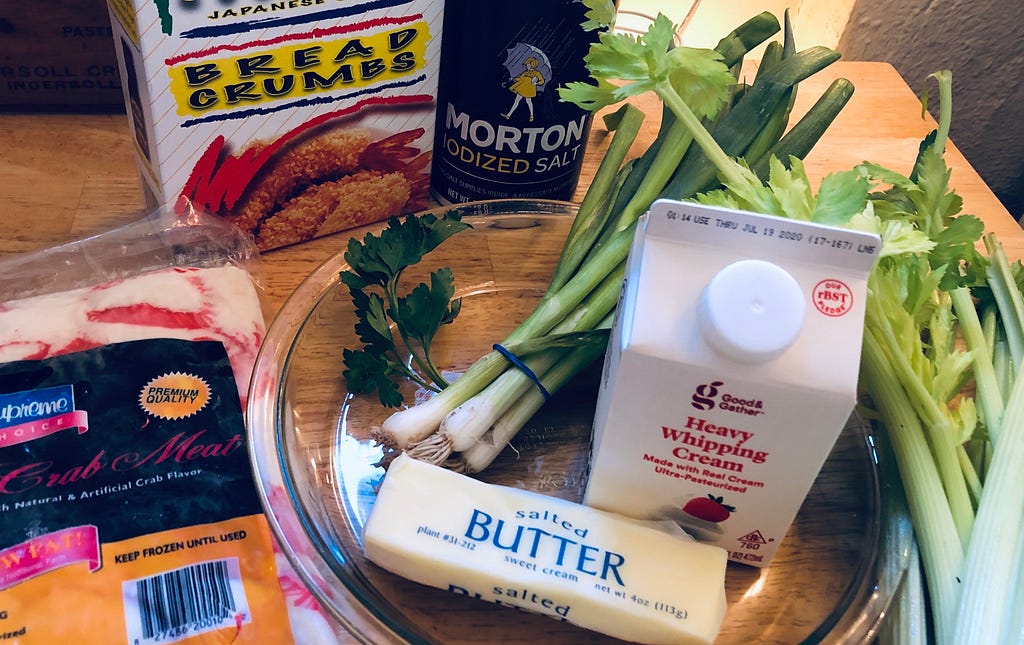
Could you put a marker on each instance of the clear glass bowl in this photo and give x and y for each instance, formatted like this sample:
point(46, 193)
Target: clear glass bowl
point(315, 463)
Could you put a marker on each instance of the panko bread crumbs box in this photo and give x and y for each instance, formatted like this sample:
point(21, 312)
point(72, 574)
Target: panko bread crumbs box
point(291, 118)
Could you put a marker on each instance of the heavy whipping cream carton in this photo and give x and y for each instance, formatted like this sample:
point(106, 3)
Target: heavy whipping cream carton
point(293, 119)
point(731, 370)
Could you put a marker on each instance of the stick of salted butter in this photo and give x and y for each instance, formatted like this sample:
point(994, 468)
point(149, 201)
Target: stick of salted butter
point(591, 568)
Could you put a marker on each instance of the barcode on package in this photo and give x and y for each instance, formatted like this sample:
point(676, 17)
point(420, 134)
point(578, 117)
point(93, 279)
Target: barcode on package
point(176, 604)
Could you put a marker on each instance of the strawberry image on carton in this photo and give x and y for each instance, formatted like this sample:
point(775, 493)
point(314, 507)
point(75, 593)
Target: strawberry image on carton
point(731, 371)
point(291, 119)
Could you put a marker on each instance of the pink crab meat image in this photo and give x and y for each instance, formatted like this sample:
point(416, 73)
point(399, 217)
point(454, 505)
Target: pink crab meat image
point(191, 303)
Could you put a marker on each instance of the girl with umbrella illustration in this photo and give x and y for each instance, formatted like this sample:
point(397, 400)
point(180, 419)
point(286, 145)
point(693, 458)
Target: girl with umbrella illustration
point(524, 86)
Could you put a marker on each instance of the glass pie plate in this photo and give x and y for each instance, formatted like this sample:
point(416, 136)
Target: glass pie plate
point(315, 464)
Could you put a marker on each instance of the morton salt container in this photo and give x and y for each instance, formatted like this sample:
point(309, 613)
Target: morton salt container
point(501, 130)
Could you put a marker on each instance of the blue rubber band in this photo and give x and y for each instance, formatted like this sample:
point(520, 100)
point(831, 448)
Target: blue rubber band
point(515, 360)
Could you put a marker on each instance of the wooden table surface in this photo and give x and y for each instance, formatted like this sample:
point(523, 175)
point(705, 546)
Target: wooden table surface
point(65, 176)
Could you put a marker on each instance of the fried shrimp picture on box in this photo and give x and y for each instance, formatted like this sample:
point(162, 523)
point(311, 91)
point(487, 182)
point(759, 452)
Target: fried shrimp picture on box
point(332, 180)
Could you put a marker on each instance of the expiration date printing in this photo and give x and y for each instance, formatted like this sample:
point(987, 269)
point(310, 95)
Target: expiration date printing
point(815, 239)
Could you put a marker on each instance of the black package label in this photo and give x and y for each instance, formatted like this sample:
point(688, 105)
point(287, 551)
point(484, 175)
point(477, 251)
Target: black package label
point(121, 437)
point(128, 511)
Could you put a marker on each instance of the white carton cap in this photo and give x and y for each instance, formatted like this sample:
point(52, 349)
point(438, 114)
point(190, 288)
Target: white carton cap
point(751, 311)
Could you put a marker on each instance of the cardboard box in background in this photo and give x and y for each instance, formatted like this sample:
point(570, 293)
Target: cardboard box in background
point(58, 56)
point(291, 119)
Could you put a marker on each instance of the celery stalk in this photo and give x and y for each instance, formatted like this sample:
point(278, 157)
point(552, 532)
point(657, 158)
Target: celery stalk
point(989, 391)
point(933, 521)
point(1008, 299)
point(988, 578)
point(907, 622)
point(989, 592)
point(939, 432)
point(1014, 630)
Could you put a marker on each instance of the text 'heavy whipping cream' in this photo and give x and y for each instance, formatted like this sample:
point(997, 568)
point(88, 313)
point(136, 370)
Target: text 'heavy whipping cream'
point(731, 370)
point(545, 555)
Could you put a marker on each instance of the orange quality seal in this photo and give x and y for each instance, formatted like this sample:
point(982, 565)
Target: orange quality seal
point(174, 396)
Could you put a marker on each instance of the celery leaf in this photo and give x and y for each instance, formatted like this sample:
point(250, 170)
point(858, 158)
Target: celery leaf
point(841, 195)
point(600, 14)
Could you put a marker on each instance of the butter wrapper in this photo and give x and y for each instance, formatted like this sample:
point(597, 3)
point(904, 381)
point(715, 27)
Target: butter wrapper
point(546, 555)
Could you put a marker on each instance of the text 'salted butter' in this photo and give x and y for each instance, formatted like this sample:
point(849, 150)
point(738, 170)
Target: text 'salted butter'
point(731, 371)
point(546, 555)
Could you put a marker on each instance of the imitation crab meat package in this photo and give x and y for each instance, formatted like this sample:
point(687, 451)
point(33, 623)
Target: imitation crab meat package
point(128, 512)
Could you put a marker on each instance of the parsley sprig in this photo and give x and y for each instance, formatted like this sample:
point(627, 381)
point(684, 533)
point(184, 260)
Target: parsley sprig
point(397, 330)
